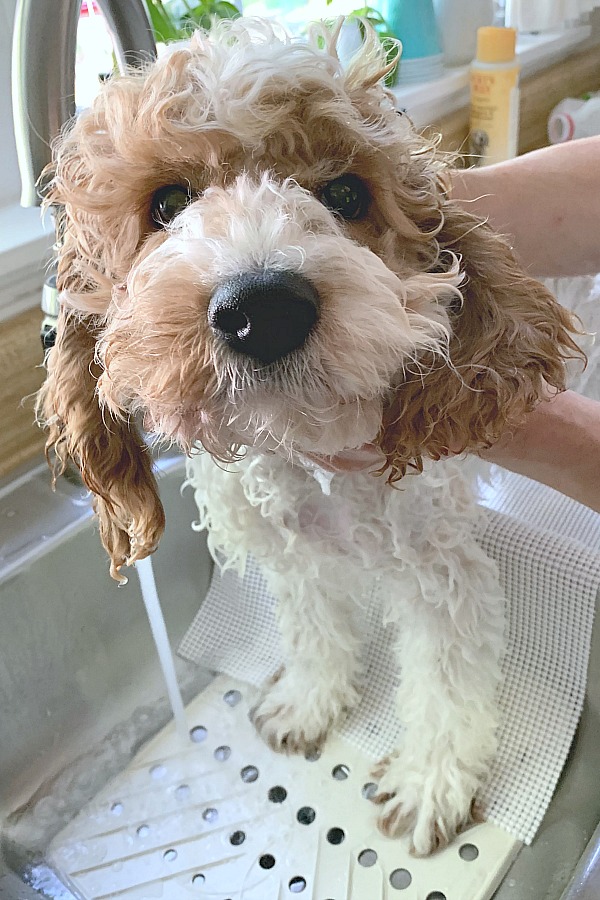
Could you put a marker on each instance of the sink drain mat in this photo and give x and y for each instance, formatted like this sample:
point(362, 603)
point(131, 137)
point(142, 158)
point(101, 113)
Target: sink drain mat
point(223, 817)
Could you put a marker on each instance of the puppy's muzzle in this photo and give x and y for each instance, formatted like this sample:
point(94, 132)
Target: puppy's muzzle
point(264, 314)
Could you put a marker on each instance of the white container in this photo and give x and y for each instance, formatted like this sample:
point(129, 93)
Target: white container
point(559, 120)
point(349, 42)
point(574, 118)
point(458, 21)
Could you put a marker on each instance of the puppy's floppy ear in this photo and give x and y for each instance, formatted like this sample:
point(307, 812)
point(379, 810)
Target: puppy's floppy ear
point(510, 343)
point(109, 453)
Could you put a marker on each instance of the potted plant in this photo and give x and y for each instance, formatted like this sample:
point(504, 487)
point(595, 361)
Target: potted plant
point(173, 20)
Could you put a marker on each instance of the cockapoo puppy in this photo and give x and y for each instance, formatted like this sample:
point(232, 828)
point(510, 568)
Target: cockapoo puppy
point(258, 255)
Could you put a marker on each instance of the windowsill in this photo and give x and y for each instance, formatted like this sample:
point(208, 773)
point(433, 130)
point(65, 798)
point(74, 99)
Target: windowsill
point(19, 229)
point(25, 247)
point(25, 240)
point(430, 101)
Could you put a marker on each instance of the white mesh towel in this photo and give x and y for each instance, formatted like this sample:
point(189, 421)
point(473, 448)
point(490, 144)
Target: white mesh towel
point(551, 582)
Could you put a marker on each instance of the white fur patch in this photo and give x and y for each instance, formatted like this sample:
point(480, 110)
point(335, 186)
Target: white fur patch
point(319, 553)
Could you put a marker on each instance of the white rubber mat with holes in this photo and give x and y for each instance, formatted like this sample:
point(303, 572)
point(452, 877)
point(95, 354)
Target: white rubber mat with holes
point(225, 818)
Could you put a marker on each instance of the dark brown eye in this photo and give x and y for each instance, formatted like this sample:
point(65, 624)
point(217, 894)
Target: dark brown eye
point(168, 202)
point(348, 196)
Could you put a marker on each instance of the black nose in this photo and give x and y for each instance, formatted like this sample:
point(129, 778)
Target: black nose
point(264, 314)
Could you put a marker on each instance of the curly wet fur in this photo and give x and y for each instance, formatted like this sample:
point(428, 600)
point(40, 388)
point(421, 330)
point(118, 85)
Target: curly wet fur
point(510, 339)
point(110, 455)
point(319, 554)
point(430, 339)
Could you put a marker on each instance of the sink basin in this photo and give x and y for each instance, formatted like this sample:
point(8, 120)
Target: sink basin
point(80, 683)
point(81, 688)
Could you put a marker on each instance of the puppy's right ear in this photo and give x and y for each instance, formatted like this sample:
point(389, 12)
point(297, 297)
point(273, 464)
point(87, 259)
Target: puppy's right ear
point(110, 454)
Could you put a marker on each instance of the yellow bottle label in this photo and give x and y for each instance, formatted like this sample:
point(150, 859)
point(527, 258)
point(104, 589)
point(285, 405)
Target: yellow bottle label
point(494, 114)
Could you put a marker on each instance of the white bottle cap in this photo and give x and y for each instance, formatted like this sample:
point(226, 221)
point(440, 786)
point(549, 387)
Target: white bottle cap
point(561, 128)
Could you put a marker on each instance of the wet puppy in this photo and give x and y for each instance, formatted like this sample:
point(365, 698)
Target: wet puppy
point(258, 257)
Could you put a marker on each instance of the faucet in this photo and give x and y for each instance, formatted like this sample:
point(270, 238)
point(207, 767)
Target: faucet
point(43, 78)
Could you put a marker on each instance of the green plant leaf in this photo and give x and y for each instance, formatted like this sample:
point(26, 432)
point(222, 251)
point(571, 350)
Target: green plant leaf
point(203, 13)
point(372, 16)
point(164, 27)
point(226, 10)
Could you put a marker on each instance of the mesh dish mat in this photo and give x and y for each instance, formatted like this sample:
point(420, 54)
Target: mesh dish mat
point(551, 581)
point(224, 817)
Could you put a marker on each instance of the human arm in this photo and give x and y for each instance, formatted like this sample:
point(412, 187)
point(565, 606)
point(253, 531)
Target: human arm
point(547, 202)
point(558, 445)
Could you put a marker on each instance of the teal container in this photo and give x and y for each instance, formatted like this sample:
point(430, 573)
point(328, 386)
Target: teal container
point(414, 23)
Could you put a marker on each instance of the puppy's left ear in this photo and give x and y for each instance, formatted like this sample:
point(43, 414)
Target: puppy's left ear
point(509, 347)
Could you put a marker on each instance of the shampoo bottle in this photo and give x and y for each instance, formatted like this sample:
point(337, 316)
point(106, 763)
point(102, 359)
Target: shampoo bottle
point(494, 77)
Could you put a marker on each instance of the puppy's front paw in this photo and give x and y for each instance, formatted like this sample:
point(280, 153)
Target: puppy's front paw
point(293, 717)
point(429, 804)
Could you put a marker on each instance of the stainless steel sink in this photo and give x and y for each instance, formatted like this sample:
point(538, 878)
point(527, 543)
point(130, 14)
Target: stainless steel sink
point(81, 689)
point(569, 837)
point(585, 883)
point(80, 684)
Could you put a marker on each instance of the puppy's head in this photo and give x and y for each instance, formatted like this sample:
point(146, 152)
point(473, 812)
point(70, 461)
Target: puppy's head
point(257, 249)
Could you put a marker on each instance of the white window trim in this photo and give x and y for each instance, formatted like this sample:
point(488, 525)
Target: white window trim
point(26, 240)
point(25, 249)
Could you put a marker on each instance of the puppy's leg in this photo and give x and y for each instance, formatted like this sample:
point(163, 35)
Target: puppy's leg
point(449, 648)
point(261, 506)
point(319, 680)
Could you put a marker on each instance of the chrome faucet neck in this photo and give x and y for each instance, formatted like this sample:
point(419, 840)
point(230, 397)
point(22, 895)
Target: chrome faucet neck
point(44, 47)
